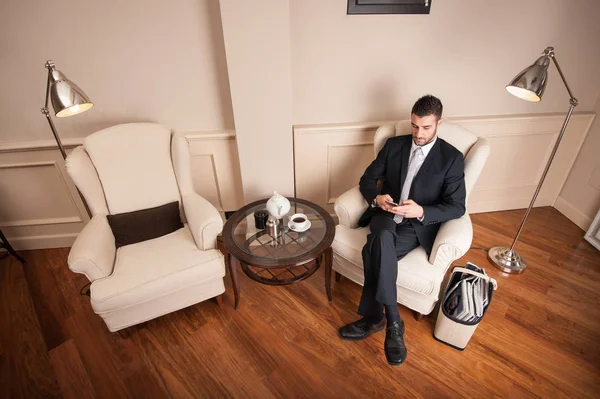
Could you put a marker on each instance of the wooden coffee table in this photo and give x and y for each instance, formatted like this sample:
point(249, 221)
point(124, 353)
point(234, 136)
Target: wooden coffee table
point(290, 259)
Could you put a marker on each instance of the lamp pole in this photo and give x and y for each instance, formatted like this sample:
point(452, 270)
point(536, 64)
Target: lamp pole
point(67, 100)
point(50, 66)
point(507, 259)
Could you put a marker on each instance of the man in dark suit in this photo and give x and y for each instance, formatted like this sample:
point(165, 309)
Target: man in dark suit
point(423, 186)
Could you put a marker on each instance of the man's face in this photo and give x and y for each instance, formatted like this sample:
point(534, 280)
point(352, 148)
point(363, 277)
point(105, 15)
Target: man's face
point(424, 128)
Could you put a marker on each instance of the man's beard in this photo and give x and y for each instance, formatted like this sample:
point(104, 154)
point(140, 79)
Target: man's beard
point(428, 141)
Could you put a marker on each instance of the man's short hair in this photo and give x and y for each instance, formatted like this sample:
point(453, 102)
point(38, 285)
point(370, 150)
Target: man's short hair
point(428, 105)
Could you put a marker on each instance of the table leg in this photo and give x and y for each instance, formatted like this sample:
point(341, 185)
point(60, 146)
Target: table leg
point(328, 266)
point(232, 263)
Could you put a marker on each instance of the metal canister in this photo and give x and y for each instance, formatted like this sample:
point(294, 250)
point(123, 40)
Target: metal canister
point(273, 227)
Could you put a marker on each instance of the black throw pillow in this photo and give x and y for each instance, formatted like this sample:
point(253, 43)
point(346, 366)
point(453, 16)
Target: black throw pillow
point(146, 224)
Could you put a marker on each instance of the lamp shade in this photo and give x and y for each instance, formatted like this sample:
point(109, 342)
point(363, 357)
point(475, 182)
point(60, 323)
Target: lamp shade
point(530, 83)
point(66, 97)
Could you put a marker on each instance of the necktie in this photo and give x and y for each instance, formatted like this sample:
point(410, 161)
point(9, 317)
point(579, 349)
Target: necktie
point(415, 162)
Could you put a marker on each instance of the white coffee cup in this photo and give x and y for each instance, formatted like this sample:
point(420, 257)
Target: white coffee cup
point(298, 221)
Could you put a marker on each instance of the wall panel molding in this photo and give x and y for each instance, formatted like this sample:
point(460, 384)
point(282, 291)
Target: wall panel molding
point(520, 147)
point(40, 206)
point(216, 168)
point(41, 222)
point(40, 145)
point(334, 192)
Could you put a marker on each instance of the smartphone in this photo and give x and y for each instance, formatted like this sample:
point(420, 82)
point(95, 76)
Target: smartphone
point(392, 203)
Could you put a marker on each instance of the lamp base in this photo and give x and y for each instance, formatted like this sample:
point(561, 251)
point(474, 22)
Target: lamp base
point(506, 260)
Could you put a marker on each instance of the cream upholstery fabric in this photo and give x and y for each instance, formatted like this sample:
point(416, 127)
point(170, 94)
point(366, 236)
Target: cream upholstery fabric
point(160, 266)
point(133, 162)
point(84, 175)
point(93, 253)
point(132, 166)
point(419, 277)
point(186, 296)
point(205, 222)
point(474, 162)
point(181, 163)
point(349, 207)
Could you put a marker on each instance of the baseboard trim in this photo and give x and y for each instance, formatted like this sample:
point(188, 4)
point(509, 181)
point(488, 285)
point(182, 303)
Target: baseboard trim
point(43, 242)
point(572, 213)
point(506, 205)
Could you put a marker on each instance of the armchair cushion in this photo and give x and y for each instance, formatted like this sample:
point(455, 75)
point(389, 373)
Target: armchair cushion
point(145, 224)
point(93, 252)
point(414, 270)
point(154, 268)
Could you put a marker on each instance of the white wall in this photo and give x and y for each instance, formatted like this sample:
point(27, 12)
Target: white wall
point(257, 45)
point(291, 62)
point(354, 68)
point(138, 60)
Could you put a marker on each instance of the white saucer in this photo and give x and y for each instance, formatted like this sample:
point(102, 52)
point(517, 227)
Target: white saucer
point(302, 230)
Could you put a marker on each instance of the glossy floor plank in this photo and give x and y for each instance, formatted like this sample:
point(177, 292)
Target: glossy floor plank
point(71, 374)
point(539, 338)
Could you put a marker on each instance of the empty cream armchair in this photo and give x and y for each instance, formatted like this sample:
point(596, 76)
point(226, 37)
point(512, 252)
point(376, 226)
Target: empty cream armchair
point(419, 275)
point(133, 167)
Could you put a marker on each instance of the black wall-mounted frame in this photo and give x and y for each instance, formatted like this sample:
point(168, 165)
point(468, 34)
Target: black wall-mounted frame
point(389, 6)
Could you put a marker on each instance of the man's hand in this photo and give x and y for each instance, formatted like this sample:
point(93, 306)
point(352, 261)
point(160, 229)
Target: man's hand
point(408, 209)
point(380, 199)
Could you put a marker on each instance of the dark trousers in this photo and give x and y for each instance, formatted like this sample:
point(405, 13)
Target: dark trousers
point(387, 243)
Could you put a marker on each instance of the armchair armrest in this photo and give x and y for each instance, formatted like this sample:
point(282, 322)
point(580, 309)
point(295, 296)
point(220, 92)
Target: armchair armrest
point(453, 240)
point(93, 252)
point(349, 207)
point(204, 220)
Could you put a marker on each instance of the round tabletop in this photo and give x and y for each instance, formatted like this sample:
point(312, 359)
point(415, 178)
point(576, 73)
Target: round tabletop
point(254, 246)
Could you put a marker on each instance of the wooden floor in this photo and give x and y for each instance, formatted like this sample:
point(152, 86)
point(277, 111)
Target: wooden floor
point(540, 337)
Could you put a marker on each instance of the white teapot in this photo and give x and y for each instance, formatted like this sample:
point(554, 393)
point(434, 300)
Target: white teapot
point(278, 206)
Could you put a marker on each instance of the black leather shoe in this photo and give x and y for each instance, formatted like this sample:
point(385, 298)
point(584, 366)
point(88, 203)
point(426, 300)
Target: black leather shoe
point(361, 329)
point(395, 351)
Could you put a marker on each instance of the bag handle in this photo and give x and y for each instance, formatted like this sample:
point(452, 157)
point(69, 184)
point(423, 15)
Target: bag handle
point(474, 273)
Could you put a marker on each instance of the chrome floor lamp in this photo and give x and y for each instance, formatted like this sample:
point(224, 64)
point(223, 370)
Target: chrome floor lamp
point(529, 85)
point(67, 99)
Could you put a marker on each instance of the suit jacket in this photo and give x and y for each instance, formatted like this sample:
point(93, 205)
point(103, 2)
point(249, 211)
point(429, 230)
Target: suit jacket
point(439, 186)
